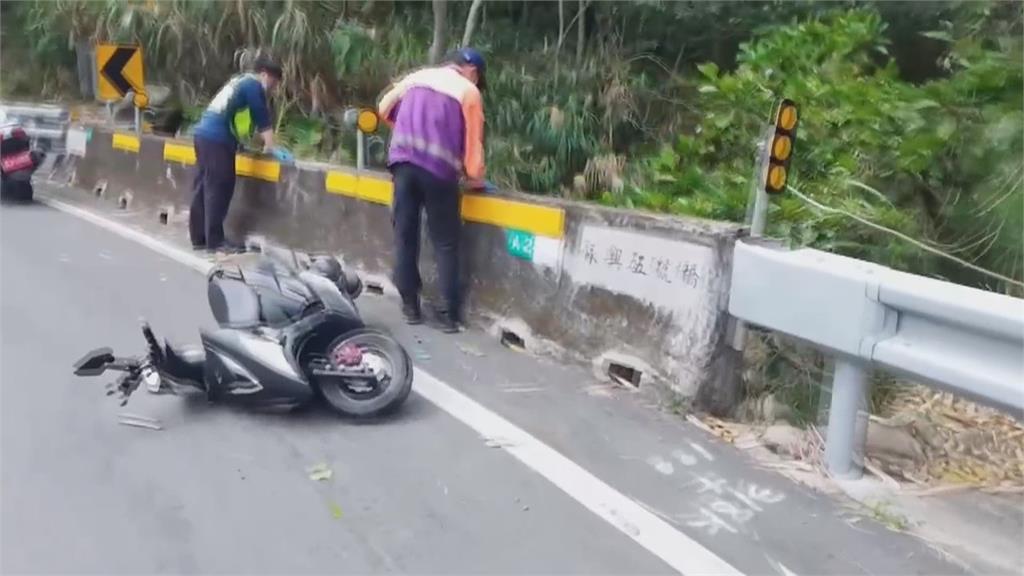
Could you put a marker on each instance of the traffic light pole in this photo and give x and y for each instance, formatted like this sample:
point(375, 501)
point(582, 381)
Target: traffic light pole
point(757, 215)
point(759, 218)
point(360, 150)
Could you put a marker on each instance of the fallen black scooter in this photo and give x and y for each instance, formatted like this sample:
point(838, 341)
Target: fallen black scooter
point(288, 332)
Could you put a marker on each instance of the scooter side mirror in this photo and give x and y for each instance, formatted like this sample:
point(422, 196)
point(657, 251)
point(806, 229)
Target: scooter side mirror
point(94, 363)
point(353, 284)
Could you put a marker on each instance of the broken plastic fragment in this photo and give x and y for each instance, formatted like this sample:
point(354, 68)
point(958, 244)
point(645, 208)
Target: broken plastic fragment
point(320, 472)
point(335, 511)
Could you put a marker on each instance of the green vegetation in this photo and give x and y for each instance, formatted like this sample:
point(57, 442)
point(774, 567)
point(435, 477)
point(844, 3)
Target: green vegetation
point(911, 112)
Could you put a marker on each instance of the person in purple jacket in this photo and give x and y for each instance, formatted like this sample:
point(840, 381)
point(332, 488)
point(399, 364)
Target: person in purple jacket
point(437, 121)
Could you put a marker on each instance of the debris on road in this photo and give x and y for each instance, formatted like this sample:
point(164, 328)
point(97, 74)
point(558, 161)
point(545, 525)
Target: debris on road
point(783, 439)
point(497, 443)
point(599, 390)
point(335, 510)
point(522, 389)
point(320, 472)
point(469, 350)
point(139, 421)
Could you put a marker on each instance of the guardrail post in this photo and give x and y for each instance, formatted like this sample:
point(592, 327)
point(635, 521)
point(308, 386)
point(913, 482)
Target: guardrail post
point(848, 419)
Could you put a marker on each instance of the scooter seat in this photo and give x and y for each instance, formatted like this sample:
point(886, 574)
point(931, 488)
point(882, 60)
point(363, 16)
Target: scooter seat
point(234, 303)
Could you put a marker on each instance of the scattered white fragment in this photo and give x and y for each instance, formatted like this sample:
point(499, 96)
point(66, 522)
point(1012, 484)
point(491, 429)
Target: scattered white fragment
point(522, 389)
point(661, 465)
point(320, 472)
point(137, 421)
point(497, 443)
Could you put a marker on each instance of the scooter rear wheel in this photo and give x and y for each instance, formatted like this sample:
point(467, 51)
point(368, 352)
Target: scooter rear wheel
point(16, 189)
point(380, 353)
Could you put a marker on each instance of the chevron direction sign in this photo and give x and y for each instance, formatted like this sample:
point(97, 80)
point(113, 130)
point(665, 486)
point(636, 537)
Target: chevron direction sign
point(119, 70)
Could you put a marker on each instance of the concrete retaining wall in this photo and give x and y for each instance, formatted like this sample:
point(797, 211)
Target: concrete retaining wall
point(619, 289)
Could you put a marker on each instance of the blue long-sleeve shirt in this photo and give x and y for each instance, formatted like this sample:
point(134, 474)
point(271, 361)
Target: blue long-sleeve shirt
point(240, 92)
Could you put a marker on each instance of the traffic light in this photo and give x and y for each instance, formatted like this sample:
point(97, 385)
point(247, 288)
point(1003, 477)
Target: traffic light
point(363, 119)
point(367, 121)
point(781, 151)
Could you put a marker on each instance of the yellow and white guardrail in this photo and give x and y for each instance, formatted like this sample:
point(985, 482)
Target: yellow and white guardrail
point(528, 217)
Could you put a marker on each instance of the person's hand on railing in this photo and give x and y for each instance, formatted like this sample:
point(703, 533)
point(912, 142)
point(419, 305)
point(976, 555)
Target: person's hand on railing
point(282, 155)
point(479, 186)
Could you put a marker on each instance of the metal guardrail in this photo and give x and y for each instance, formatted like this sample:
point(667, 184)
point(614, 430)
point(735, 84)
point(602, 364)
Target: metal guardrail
point(960, 339)
point(45, 124)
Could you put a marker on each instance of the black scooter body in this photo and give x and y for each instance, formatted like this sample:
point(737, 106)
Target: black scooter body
point(276, 345)
point(268, 318)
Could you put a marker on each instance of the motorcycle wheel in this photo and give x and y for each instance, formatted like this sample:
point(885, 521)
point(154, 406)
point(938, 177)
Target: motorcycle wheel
point(387, 358)
point(15, 190)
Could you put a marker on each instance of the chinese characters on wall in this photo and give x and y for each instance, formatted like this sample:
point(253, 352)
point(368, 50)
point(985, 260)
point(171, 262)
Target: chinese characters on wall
point(663, 268)
point(659, 270)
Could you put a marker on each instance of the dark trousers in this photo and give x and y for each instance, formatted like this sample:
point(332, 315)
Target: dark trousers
point(416, 189)
point(212, 189)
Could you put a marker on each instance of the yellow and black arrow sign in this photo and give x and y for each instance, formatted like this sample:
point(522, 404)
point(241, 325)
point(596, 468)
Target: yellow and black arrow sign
point(119, 69)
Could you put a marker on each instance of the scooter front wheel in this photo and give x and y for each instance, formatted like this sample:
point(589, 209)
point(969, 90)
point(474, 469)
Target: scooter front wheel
point(385, 374)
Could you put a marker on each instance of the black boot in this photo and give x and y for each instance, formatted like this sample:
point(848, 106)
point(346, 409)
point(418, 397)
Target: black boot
point(449, 322)
point(411, 311)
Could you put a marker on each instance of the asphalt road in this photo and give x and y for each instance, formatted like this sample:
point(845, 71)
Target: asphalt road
point(221, 490)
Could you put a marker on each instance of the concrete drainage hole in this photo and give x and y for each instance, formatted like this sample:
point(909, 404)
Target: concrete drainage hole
point(510, 339)
point(625, 375)
point(374, 288)
point(122, 203)
point(164, 215)
point(100, 188)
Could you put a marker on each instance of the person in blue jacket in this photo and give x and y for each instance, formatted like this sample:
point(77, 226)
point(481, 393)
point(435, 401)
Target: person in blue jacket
point(240, 106)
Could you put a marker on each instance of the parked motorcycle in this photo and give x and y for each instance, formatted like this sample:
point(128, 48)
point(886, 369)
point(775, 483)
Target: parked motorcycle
point(288, 332)
point(18, 161)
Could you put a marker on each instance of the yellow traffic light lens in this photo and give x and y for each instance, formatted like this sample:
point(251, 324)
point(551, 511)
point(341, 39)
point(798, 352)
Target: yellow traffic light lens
point(787, 117)
point(367, 121)
point(776, 177)
point(782, 147)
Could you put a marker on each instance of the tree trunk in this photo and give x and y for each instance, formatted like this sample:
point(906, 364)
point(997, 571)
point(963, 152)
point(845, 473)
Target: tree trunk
point(561, 27)
point(581, 30)
point(474, 10)
point(437, 48)
point(561, 37)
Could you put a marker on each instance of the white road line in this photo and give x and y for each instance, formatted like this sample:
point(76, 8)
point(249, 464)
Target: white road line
point(629, 517)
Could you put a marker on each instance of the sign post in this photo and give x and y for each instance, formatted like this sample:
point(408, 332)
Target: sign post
point(119, 72)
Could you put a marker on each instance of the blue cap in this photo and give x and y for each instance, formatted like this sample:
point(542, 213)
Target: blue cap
point(475, 59)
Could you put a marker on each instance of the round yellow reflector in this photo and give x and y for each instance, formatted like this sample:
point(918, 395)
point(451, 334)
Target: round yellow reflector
point(776, 177)
point(782, 147)
point(367, 121)
point(140, 100)
point(787, 117)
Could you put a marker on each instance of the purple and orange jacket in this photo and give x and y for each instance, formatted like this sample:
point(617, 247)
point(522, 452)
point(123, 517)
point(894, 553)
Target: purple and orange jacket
point(437, 119)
